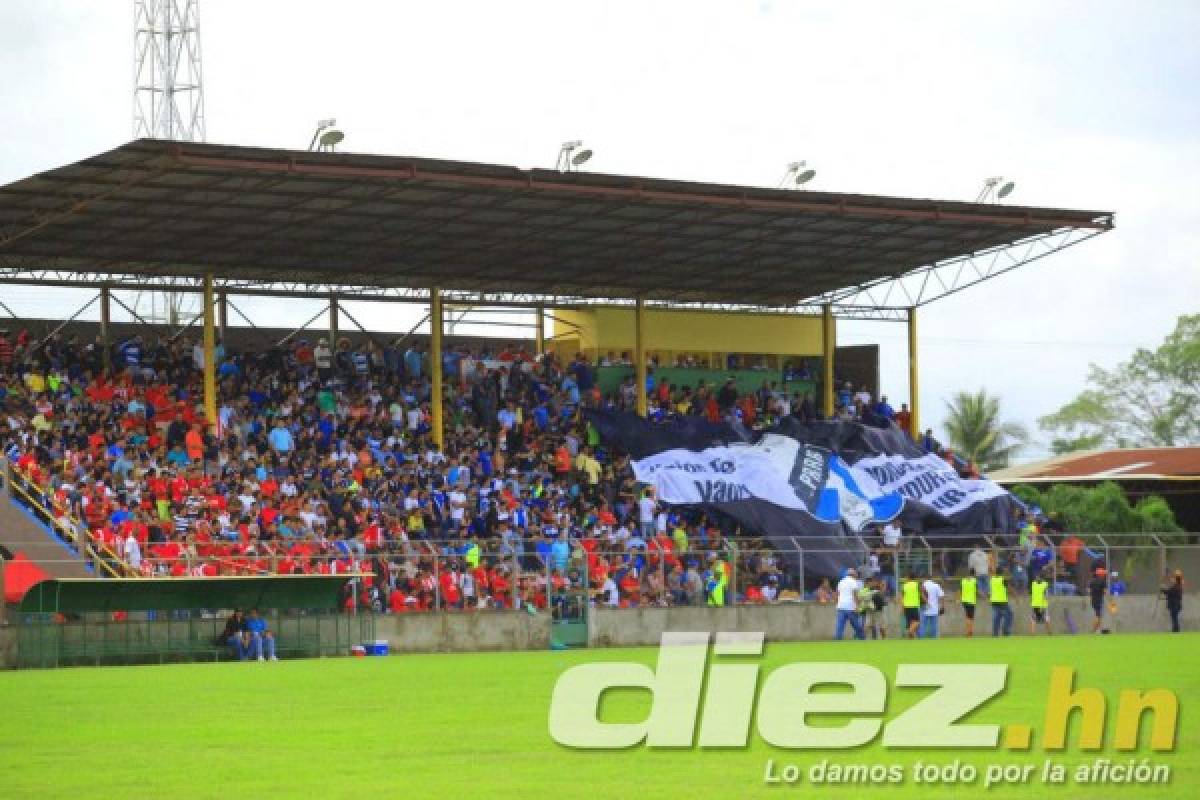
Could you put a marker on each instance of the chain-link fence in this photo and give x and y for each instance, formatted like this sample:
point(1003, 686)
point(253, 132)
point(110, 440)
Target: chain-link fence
point(1138, 563)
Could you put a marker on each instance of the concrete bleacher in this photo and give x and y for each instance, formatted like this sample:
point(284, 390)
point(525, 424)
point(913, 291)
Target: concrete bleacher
point(22, 532)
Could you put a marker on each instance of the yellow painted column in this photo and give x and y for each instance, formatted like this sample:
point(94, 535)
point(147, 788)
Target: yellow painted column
point(828, 348)
point(639, 356)
point(540, 332)
point(210, 347)
point(914, 393)
point(436, 401)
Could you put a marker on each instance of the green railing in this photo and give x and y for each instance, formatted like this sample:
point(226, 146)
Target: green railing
point(94, 639)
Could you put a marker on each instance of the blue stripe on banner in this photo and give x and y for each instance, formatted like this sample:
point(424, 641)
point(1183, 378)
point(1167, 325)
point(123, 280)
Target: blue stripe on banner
point(829, 507)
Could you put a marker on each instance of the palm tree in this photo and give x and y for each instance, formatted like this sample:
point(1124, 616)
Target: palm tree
point(974, 430)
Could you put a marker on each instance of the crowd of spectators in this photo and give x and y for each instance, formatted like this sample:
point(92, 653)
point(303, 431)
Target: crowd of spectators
point(324, 462)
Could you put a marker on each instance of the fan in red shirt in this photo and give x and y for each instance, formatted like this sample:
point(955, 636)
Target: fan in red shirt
point(137, 528)
point(178, 488)
point(373, 537)
point(105, 536)
point(629, 586)
point(500, 588)
point(451, 597)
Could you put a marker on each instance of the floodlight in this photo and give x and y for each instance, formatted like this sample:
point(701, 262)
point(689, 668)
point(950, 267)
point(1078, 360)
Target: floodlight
point(568, 157)
point(328, 140)
point(796, 175)
point(1005, 190)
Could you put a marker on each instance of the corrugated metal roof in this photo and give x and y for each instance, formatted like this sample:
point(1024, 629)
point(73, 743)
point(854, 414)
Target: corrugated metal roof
point(179, 209)
point(1134, 463)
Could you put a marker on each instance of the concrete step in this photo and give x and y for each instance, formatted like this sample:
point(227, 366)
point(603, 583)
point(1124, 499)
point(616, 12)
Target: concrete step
point(20, 532)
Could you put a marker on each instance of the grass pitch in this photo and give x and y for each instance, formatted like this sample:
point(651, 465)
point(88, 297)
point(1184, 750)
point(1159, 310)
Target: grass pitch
point(450, 726)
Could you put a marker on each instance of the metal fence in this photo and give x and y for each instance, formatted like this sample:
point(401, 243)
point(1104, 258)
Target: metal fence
point(1134, 563)
point(45, 640)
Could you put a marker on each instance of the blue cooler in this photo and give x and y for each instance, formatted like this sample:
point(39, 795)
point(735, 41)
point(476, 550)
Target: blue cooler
point(378, 648)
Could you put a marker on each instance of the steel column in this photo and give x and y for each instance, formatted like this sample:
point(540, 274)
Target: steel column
point(105, 331)
point(914, 394)
point(436, 322)
point(540, 331)
point(222, 313)
point(333, 321)
point(828, 348)
point(639, 356)
point(210, 353)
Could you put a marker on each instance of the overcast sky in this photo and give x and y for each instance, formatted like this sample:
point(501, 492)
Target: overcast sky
point(1084, 104)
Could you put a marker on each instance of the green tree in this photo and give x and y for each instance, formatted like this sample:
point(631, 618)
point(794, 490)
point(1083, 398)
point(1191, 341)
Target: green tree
point(1101, 509)
point(1153, 399)
point(975, 432)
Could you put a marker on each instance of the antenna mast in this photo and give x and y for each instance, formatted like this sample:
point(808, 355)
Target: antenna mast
point(168, 96)
point(168, 103)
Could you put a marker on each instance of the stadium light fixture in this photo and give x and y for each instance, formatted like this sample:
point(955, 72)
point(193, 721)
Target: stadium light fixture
point(797, 175)
point(330, 138)
point(995, 189)
point(571, 156)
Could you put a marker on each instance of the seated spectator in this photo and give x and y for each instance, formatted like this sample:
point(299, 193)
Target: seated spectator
point(235, 635)
point(259, 637)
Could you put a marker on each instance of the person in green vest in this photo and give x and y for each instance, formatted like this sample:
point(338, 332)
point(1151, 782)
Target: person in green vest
point(1039, 605)
point(910, 598)
point(716, 582)
point(1002, 616)
point(968, 594)
point(680, 537)
point(471, 556)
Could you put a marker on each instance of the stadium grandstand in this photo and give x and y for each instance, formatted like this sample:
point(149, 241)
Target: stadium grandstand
point(452, 473)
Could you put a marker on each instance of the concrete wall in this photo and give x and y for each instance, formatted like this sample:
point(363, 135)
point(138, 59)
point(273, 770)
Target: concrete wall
point(464, 632)
point(811, 622)
point(8, 647)
point(498, 631)
point(698, 332)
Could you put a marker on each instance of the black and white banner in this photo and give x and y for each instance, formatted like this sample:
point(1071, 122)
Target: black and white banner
point(819, 483)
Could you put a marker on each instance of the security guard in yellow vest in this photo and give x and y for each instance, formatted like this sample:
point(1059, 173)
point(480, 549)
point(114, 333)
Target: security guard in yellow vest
point(1002, 616)
point(910, 596)
point(716, 583)
point(968, 594)
point(1039, 604)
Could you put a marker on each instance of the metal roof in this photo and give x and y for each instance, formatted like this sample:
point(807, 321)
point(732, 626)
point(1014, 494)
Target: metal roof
point(1141, 463)
point(166, 594)
point(162, 208)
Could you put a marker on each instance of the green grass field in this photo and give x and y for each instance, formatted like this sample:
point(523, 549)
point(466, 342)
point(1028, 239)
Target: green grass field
point(471, 725)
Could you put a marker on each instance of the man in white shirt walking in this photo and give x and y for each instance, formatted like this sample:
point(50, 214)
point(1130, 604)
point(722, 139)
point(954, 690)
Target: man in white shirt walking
point(847, 605)
point(932, 594)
